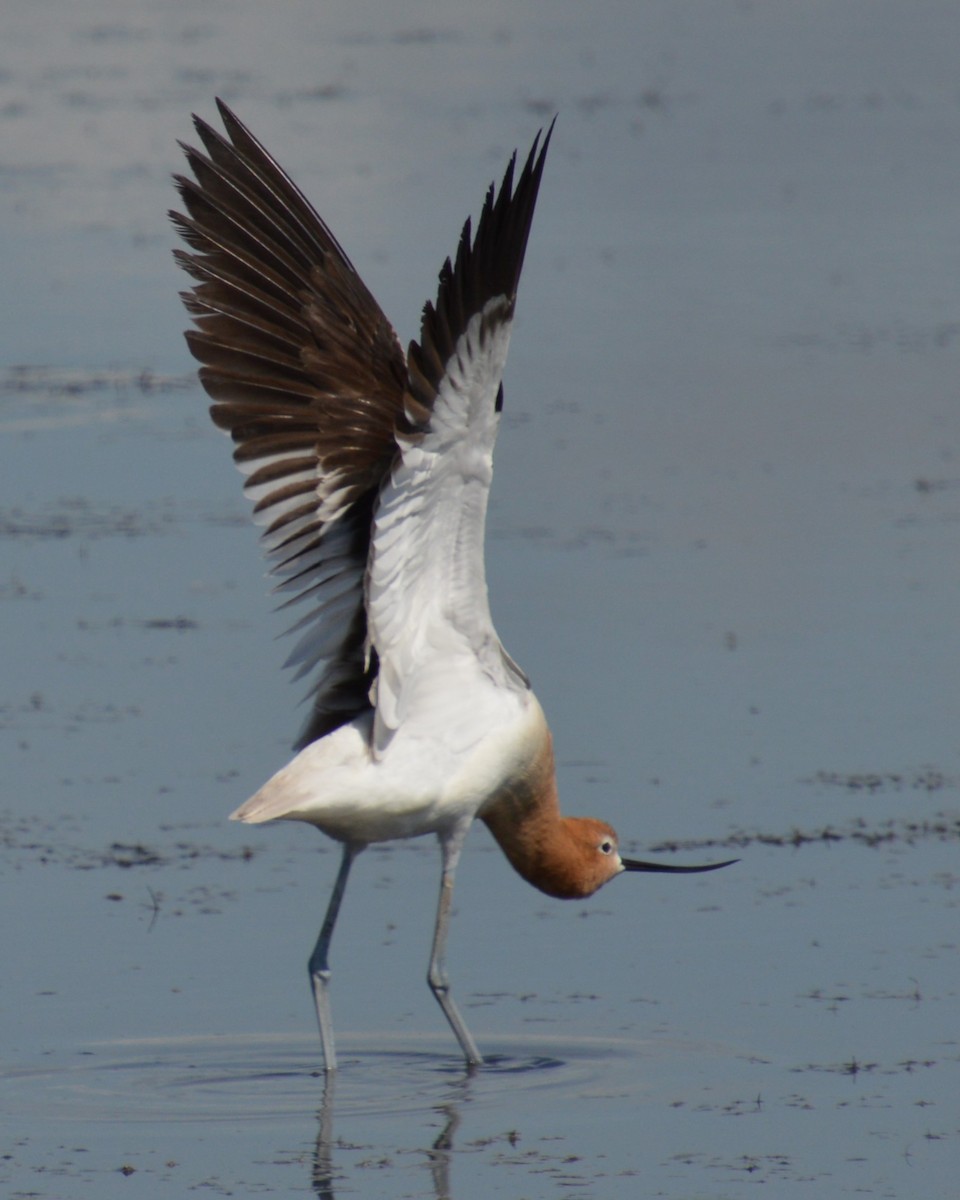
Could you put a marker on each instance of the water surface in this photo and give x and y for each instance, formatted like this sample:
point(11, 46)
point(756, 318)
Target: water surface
point(723, 543)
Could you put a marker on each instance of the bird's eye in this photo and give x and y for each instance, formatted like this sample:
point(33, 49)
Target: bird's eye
point(606, 847)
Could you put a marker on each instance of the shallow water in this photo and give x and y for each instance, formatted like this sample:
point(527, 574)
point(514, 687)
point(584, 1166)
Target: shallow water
point(723, 544)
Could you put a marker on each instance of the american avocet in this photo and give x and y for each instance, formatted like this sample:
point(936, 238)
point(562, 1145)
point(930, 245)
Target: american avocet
point(371, 471)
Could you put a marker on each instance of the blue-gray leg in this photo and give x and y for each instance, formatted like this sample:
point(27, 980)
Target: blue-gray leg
point(319, 965)
point(437, 975)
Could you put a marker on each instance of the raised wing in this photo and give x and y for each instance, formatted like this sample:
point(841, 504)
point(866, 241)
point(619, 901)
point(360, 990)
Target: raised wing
point(308, 378)
point(428, 614)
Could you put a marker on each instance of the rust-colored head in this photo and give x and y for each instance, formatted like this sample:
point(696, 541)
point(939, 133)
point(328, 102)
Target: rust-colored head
point(570, 858)
point(583, 856)
point(566, 857)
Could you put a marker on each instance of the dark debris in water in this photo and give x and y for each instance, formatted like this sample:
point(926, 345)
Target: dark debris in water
point(46, 382)
point(41, 842)
point(135, 854)
point(943, 827)
point(840, 994)
point(76, 516)
point(761, 1168)
point(925, 485)
point(925, 779)
point(853, 1067)
point(36, 711)
point(179, 624)
point(860, 338)
point(14, 588)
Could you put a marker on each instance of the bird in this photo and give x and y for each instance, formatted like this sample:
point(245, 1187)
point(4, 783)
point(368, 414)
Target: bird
point(369, 470)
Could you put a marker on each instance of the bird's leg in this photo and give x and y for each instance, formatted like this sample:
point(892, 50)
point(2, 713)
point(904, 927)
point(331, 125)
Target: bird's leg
point(319, 966)
point(437, 974)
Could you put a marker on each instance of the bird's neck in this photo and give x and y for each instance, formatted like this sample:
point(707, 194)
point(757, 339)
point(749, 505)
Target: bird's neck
point(539, 842)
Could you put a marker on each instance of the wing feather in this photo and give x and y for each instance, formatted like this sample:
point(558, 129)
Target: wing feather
point(308, 378)
point(427, 603)
point(369, 473)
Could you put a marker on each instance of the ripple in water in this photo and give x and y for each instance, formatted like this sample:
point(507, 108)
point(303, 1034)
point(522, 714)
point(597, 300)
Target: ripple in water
point(270, 1077)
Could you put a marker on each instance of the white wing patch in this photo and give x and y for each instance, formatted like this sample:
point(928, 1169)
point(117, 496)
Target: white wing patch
point(429, 618)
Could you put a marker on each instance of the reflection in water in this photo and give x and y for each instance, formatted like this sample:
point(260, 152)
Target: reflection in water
point(438, 1154)
point(322, 1178)
point(408, 1098)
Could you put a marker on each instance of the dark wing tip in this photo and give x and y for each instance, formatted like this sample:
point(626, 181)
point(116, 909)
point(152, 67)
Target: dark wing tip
point(487, 265)
point(497, 253)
